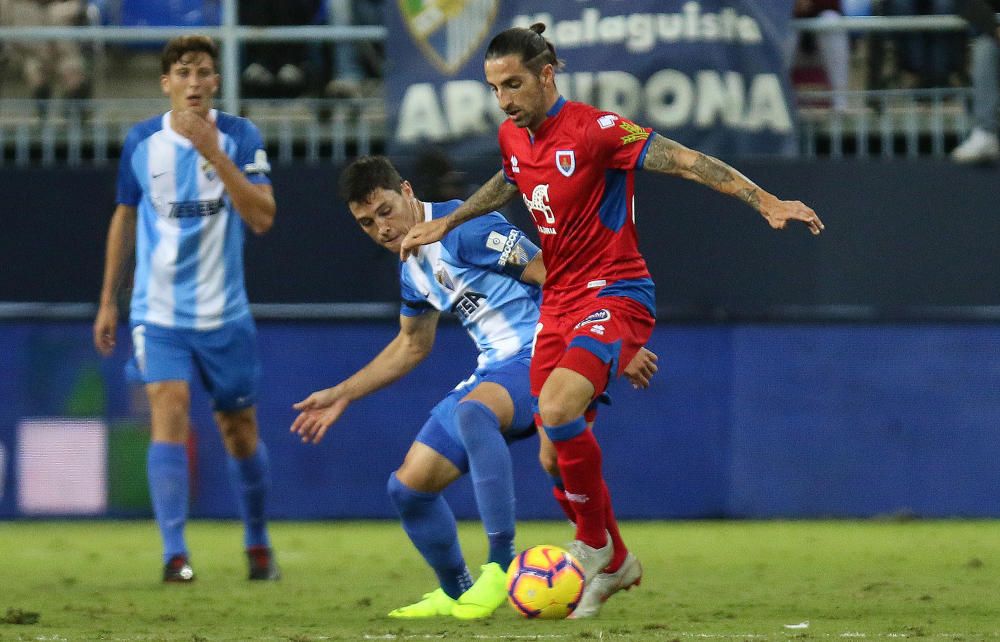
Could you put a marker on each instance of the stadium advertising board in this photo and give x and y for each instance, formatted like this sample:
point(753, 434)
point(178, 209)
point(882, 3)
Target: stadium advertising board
point(707, 73)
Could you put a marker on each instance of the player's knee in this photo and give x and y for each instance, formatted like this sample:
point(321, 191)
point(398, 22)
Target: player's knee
point(473, 416)
point(239, 434)
point(556, 410)
point(402, 496)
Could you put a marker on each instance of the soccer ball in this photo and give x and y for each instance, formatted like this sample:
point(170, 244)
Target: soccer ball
point(544, 582)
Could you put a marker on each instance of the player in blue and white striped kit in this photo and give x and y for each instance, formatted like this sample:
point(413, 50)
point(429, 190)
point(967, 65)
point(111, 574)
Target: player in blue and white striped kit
point(488, 276)
point(189, 182)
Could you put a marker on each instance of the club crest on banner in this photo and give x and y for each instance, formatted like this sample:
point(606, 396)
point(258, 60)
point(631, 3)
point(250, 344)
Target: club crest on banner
point(448, 31)
point(566, 162)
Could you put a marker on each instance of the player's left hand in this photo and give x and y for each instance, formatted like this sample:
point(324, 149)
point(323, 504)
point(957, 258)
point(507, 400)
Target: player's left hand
point(641, 369)
point(317, 413)
point(201, 132)
point(778, 213)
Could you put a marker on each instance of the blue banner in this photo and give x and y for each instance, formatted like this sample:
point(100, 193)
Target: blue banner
point(709, 74)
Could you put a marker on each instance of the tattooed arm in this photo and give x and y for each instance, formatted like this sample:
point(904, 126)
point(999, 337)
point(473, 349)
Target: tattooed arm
point(493, 195)
point(670, 157)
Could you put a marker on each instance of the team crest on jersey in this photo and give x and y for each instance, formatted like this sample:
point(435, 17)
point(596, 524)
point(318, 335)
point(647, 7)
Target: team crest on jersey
point(565, 162)
point(443, 278)
point(448, 32)
point(596, 317)
point(208, 170)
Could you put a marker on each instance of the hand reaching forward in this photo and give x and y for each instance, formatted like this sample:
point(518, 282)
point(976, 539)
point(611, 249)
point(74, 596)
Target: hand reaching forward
point(778, 213)
point(641, 369)
point(423, 233)
point(317, 412)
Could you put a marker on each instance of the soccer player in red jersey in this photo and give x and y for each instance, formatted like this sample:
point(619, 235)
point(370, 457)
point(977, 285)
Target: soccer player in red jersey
point(573, 165)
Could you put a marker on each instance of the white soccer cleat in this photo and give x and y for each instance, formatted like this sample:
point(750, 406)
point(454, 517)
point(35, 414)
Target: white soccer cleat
point(593, 560)
point(980, 147)
point(604, 585)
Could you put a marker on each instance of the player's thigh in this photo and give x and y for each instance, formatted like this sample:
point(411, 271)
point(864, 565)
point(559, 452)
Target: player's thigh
point(170, 406)
point(426, 470)
point(549, 346)
point(505, 389)
point(605, 338)
point(229, 365)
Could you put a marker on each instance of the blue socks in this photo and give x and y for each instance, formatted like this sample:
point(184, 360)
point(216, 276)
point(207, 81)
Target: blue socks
point(492, 476)
point(430, 524)
point(167, 471)
point(251, 479)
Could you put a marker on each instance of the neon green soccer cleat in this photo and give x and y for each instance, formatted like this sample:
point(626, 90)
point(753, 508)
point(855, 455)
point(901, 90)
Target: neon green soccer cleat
point(433, 604)
point(488, 593)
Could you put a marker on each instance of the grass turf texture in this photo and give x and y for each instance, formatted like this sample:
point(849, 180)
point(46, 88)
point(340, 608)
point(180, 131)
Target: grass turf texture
point(703, 580)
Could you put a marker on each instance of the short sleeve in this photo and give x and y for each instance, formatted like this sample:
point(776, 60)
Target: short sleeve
point(251, 157)
point(492, 242)
point(128, 190)
point(412, 305)
point(617, 142)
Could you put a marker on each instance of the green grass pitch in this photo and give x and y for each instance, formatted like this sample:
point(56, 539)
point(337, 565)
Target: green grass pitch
point(722, 580)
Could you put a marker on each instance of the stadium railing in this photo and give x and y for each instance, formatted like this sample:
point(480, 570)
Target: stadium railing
point(881, 122)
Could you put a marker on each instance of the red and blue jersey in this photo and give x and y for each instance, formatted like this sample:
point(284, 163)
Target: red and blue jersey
point(576, 176)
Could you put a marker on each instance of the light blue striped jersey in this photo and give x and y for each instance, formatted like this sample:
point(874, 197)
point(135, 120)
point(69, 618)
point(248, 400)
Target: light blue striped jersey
point(189, 238)
point(474, 271)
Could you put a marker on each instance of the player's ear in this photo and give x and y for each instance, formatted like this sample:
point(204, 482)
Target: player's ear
point(407, 188)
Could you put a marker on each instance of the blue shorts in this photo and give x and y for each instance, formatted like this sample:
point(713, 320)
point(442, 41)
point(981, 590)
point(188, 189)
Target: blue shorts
point(226, 359)
point(440, 432)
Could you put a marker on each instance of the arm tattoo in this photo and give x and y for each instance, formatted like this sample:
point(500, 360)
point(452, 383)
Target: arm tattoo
point(493, 195)
point(670, 157)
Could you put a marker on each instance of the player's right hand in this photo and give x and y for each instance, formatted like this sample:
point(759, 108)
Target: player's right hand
point(317, 413)
point(104, 329)
point(423, 233)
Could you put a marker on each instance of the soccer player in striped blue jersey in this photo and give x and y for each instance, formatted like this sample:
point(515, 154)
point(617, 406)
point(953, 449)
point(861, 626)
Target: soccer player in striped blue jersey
point(488, 275)
point(189, 182)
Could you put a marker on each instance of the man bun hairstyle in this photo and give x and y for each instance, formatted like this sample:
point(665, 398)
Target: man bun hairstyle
point(534, 50)
point(367, 174)
point(177, 48)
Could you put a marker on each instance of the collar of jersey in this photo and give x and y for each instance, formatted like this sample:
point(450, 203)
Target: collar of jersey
point(213, 116)
point(556, 107)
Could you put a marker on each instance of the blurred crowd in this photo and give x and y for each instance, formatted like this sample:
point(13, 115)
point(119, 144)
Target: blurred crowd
point(351, 69)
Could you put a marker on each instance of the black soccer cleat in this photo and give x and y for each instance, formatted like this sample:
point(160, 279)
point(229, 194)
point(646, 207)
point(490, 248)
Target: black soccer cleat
point(262, 564)
point(178, 570)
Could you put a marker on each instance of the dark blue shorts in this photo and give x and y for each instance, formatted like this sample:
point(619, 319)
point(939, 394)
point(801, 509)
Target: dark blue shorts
point(226, 359)
point(440, 431)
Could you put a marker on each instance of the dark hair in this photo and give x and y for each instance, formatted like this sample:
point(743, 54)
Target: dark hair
point(367, 174)
point(178, 47)
point(535, 51)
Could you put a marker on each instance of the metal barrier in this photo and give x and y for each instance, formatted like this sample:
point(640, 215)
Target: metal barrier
point(883, 123)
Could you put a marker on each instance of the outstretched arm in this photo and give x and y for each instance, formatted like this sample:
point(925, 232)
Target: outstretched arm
point(493, 195)
point(670, 157)
point(321, 409)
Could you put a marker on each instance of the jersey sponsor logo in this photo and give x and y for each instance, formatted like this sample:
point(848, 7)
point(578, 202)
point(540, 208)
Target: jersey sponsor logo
point(448, 33)
point(467, 304)
point(565, 162)
point(595, 317)
point(514, 169)
point(633, 133)
point(539, 204)
point(496, 241)
point(513, 252)
point(194, 209)
point(607, 121)
point(260, 165)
